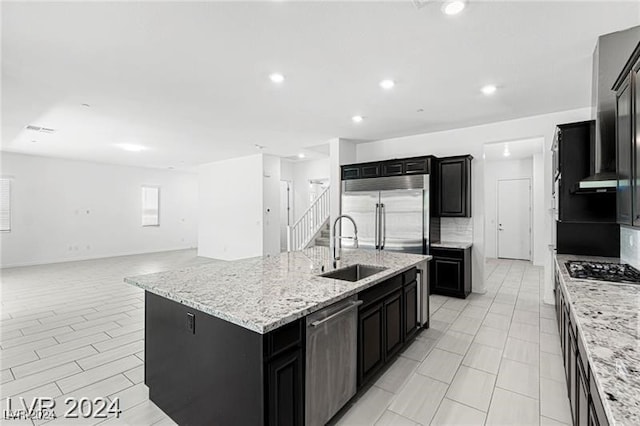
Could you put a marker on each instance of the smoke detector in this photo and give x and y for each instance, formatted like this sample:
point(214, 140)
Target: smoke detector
point(39, 129)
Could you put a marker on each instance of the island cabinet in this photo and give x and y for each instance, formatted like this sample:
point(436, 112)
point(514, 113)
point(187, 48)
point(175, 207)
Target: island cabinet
point(585, 403)
point(451, 272)
point(387, 322)
point(204, 370)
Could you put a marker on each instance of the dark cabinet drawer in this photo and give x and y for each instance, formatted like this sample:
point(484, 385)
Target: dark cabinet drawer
point(370, 170)
point(392, 168)
point(417, 166)
point(284, 338)
point(350, 172)
point(380, 291)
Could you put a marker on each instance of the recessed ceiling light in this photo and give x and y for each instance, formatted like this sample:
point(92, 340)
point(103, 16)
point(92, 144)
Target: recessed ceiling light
point(506, 152)
point(387, 84)
point(276, 77)
point(131, 147)
point(489, 89)
point(453, 7)
point(301, 155)
point(357, 118)
point(86, 105)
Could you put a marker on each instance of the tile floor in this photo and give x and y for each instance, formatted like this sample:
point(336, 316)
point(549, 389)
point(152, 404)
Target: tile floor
point(75, 329)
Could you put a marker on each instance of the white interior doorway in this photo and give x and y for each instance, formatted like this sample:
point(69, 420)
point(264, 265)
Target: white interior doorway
point(286, 212)
point(514, 219)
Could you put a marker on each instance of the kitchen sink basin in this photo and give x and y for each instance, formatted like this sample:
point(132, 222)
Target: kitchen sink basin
point(353, 273)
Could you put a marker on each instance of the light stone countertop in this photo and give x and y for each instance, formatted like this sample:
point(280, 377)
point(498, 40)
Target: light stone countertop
point(264, 293)
point(452, 245)
point(607, 316)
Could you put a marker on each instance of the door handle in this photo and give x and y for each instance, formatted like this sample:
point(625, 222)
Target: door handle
point(500, 228)
point(337, 314)
point(383, 213)
point(375, 237)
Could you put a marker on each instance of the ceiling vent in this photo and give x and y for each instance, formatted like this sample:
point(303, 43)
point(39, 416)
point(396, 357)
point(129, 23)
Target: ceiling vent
point(39, 129)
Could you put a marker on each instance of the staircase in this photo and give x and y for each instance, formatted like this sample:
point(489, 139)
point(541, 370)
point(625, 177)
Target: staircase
point(311, 225)
point(324, 237)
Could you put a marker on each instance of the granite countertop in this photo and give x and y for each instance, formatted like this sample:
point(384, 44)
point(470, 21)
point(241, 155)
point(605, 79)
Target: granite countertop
point(608, 321)
point(452, 245)
point(264, 293)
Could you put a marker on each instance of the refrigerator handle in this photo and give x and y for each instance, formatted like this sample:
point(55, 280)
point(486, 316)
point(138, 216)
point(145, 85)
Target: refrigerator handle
point(376, 228)
point(383, 230)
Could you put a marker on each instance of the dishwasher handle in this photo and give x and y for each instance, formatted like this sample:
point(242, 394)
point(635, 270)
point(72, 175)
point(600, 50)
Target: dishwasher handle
point(337, 314)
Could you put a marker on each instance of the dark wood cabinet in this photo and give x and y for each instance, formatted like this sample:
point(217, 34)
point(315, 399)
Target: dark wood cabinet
point(393, 322)
point(285, 402)
point(454, 192)
point(411, 323)
point(414, 166)
point(370, 341)
point(370, 170)
point(351, 172)
point(585, 403)
point(451, 272)
point(387, 321)
point(393, 168)
point(623, 155)
point(627, 88)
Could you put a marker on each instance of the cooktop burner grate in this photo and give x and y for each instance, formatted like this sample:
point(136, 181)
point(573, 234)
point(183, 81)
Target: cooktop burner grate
point(603, 271)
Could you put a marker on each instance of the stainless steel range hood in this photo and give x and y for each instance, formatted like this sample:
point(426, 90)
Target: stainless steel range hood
point(610, 55)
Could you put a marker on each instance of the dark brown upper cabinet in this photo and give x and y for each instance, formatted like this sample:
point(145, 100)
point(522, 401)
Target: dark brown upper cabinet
point(454, 192)
point(393, 168)
point(627, 87)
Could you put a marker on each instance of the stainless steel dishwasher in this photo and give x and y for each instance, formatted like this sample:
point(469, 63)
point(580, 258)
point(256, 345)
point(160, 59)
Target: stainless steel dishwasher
point(331, 361)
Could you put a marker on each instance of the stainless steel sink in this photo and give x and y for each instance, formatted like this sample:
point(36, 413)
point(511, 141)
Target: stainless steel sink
point(353, 273)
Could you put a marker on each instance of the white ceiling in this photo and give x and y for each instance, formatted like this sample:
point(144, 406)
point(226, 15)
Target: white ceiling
point(516, 150)
point(190, 80)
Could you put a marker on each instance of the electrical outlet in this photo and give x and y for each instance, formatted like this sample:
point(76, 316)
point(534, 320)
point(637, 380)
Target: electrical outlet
point(191, 322)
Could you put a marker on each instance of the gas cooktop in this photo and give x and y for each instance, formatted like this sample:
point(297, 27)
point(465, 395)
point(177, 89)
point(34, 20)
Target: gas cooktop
point(603, 271)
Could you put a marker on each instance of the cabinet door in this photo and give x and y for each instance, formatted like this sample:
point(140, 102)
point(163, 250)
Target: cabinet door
point(416, 166)
point(410, 309)
point(370, 341)
point(370, 170)
point(285, 401)
point(623, 155)
point(582, 387)
point(447, 275)
point(392, 168)
point(635, 76)
point(455, 187)
point(351, 172)
point(393, 321)
point(573, 375)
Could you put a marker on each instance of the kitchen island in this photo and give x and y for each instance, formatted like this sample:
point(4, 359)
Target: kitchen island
point(225, 341)
point(599, 323)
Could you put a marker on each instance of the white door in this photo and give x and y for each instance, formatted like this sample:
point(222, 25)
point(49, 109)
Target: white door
point(285, 212)
point(514, 219)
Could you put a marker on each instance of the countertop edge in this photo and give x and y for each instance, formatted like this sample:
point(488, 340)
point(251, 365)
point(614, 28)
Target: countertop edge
point(601, 392)
point(264, 329)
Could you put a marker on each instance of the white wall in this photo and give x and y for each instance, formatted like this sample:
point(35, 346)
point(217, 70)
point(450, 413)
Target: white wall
point(303, 172)
point(496, 170)
point(69, 210)
point(470, 140)
point(234, 197)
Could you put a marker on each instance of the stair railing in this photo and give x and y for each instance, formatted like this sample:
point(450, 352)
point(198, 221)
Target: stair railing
point(300, 235)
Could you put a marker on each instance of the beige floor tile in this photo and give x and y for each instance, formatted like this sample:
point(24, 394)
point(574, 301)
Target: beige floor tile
point(552, 366)
point(85, 378)
point(131, 396)
point(99, 358)
point(472, 387)
point(52, 361)
point(368, 409)
point(440, 365)
point(119, 341)
point(73, 344)
point(482, 357)
point(389, 418)
point(526, 317)
point(5, 376)
point(554, 402)
point(501, 322)
point(419, 399)
point(508, 409)
point(445, 315)
point(466, 325)
point(491, 337)
point(136, 375)
point(456, 414)
point(476, 312)
point(454, 341)
point(527, 332)
point(418, 349)
point(549, 326)
point(32, 381)
point(546, 421)
point(392, 379)
point(550, 343)
point(501, 309)
point(521, 351)
point(520, 378)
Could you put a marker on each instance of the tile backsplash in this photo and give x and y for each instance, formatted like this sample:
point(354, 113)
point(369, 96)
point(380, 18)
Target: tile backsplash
point(456, 229)
point(630, 246)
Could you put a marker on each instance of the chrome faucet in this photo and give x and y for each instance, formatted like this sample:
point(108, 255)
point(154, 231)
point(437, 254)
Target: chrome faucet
point(335, 238)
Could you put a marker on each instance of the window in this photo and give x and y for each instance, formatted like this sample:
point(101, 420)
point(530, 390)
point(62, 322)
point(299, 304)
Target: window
point(150, 206)
point(5, 205)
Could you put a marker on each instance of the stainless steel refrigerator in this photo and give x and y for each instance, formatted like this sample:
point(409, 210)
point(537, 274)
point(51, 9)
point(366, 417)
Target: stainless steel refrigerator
point(391, 213)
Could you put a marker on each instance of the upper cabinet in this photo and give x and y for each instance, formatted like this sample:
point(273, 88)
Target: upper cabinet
point(627, 88)
point(397, 167)
point(454, 192)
